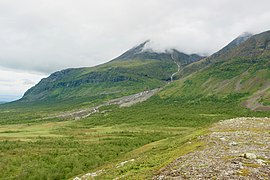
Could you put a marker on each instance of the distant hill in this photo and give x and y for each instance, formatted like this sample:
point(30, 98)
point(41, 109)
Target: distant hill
point(8, 98)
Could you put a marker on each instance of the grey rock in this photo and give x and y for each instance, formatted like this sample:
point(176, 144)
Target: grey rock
point(249, 156)
point(260, 162)
point(222, 139)
point(233, 143)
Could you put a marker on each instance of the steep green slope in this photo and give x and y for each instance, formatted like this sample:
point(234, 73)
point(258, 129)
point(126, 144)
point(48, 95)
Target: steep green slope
point(240, 71)
point(102, 80)
point(191, 68)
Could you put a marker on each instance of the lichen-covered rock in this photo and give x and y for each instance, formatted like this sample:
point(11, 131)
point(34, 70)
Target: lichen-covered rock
point(233, 144)
point(248, 156)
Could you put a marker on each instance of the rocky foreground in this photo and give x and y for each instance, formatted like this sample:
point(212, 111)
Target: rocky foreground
point(234, 149)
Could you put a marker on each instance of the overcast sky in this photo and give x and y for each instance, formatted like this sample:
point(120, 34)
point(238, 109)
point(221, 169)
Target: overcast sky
point(38, 37)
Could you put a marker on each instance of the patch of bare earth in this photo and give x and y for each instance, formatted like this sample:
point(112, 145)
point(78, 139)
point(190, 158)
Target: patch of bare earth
point(253, 102)
point(130, 100)
point(125, 101)
point(235, 149)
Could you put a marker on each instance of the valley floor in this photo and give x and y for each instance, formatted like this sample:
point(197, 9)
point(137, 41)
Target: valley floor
point(234, 149)
point(135, 142)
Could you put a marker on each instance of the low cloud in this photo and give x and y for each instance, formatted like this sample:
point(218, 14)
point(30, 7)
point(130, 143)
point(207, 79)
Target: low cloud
point(14, 83)
point(28, 82)
point(45, 36)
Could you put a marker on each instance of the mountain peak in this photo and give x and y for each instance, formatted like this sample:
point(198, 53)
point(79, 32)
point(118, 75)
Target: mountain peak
point(237, 41)
point(133, 52)
point(242, 38)
point(246, 34)
point(139, 48)
point(234, 43)
point(145, 51)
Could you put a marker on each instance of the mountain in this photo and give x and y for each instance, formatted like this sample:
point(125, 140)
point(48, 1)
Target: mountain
point(240, 71)
point(8, 98)
point(134, 71)
point(217, 55)
point(240, 67)
point(233, 44)
point(143, 52)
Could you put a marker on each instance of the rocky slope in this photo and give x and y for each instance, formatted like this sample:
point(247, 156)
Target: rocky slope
point(234, 149)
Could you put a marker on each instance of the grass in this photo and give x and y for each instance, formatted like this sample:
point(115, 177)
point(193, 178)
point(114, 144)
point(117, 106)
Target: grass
point(265, 100)
point(25, 132)
point(78, 148)
point(244, 172)
point(60, 153)
point(150, 158)
point(252, 165)
point(153, 133)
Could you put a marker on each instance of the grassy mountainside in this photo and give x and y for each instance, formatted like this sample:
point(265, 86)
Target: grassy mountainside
point(115, 78)
point(134, 71)
point(238, 72)
point(194, 67)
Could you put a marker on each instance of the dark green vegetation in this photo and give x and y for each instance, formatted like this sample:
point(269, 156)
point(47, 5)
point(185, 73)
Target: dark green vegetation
point(60, 150)
point(153, 133)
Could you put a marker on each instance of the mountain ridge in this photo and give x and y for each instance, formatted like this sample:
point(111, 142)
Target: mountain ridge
point(137, 70)
point(132, 72)
point(143, 52)
point(215, 56)
point(242, 72)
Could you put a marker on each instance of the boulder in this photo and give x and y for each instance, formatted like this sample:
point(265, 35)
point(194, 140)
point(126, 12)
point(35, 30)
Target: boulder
point(260, 162)
point(249, 156)
point(233, 144)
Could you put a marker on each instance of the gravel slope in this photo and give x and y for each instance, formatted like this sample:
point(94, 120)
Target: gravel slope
point(235, 149)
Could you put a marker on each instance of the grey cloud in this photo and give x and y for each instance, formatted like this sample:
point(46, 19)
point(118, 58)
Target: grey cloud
point(46, 36)
point(28, 82)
